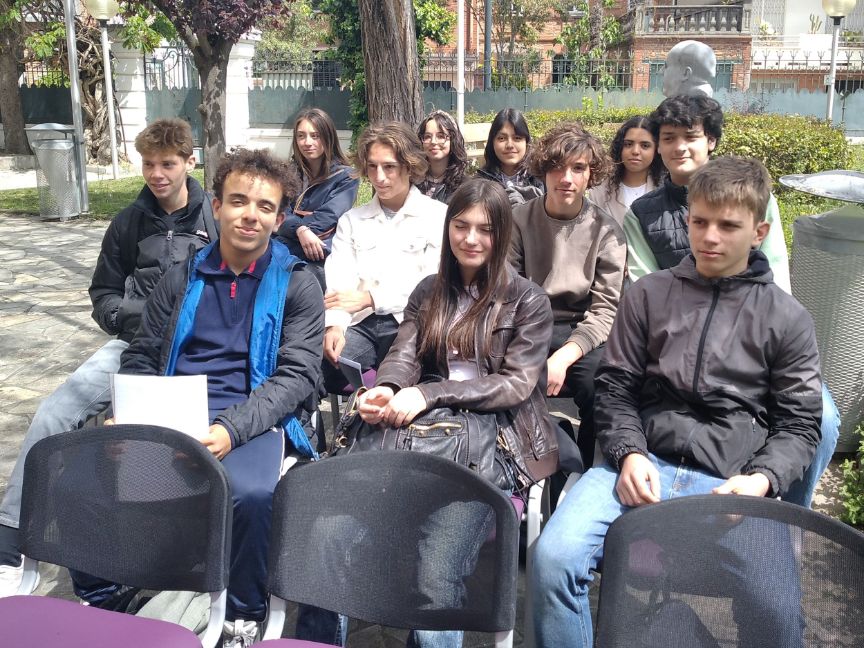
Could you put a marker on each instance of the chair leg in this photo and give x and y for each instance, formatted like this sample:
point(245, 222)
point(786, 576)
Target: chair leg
point(504, 639)
point(537, 514)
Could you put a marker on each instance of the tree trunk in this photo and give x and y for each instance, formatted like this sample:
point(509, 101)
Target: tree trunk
point(213, 71)
point(394, 90)
point(10, 94)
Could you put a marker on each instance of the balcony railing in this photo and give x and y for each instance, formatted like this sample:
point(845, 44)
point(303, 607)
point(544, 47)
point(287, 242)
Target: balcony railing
point(692, 20)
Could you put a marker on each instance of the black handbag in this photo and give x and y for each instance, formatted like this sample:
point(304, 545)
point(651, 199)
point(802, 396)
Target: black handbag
point(477, 440)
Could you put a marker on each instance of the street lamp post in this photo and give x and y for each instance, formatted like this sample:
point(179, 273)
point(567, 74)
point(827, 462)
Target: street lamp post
point(836, 10)
point(103, 11)
point(75, 97)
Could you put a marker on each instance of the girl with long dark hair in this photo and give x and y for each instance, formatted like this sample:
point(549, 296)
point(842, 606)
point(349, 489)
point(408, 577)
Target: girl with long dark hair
point(445, 150)
point(637, 168)
point(506, 156)
point(486, 331)
point(328, 191)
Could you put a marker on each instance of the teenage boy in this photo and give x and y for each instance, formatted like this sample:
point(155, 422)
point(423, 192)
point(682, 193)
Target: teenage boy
point(576, 252)
point(248, 315)
point(689, 129)
point(171, 217)
point(709, 384)
point(381, 250)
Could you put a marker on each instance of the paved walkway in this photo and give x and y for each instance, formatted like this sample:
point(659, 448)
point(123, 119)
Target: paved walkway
point(46, 332)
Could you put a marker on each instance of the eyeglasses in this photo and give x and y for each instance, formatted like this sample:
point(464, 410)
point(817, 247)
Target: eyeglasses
point(428, 138)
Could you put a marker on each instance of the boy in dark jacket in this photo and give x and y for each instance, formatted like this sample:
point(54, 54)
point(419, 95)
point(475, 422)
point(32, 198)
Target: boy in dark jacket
point(170, 219)
point(709, 384)
point(688, 130)
point(216, 315)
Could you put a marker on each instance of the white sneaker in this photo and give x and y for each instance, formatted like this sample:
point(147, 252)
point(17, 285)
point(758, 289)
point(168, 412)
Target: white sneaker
point(240, 633)
point(10, 580)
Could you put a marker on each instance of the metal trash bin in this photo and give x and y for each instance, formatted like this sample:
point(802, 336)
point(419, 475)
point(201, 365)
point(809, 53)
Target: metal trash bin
point(828, 279)
point(56, 175)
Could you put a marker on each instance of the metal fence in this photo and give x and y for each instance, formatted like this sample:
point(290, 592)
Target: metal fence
point(530, 72)
point(42, 74)
point(319, 72)
point(773, 68)
point(170, 68)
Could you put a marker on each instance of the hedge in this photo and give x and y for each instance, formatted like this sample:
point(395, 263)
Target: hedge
point(785, 143)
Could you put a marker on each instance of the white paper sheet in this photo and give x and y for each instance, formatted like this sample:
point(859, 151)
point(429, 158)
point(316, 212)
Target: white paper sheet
point(176, 402)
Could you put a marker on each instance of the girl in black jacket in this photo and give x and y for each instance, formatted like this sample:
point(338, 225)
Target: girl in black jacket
point(329, 188)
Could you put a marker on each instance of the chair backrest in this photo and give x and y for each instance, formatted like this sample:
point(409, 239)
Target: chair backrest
point(134, 504)
point(714, 570)
point(400, 539)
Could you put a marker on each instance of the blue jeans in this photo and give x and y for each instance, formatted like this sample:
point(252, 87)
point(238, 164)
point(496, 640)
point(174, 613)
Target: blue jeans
point(86, 393)
point(801, 491)
point(571, 546)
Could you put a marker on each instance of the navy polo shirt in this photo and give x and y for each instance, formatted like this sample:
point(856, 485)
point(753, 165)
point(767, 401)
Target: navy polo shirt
point(219, 344)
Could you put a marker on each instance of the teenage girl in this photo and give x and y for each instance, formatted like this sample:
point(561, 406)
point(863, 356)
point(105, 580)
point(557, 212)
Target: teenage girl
point(506, 157)
point(637, 170)
point(486, 330)
point(445, 151)
point(329, 190)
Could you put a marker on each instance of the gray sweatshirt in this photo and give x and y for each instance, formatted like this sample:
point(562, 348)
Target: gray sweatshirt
point(578, 262)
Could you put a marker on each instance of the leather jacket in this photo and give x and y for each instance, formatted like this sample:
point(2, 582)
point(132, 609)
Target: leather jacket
point(512, 375)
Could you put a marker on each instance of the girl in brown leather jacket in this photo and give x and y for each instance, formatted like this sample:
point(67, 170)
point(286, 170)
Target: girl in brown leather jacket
point(478, 324)
point(486, 330)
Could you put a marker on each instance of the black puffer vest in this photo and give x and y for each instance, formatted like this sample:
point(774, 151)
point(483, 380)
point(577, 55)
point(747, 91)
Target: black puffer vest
point(662, 214)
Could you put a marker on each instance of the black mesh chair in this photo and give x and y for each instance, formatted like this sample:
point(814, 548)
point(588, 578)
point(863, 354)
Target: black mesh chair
point(139, 505)
point(730, 570)
point(399, 539)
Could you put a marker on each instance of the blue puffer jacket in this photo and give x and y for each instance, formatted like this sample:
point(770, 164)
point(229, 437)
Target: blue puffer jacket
point(319, 206)
point(285, 344)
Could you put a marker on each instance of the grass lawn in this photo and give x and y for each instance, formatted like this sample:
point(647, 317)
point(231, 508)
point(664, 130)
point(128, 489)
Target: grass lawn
point(107, 197)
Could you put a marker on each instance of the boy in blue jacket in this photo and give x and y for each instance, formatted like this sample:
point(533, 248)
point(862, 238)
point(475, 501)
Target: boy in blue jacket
point(248, 314)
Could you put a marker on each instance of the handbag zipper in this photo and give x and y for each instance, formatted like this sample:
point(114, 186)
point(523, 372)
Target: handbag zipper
point(422, 429)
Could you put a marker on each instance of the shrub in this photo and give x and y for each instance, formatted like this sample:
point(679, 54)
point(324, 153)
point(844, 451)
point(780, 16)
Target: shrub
point(785, 143)
point(852, 490)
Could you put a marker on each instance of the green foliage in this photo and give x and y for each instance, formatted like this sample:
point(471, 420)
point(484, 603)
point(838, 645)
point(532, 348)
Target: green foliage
point(433, 21)
point(587, 67)
point(852, 489)
point(292, 38)
point(144, 28)
point(817, 145)
point(43, 44)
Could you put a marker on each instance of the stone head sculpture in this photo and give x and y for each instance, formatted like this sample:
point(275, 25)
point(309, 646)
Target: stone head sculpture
point(690, 69)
